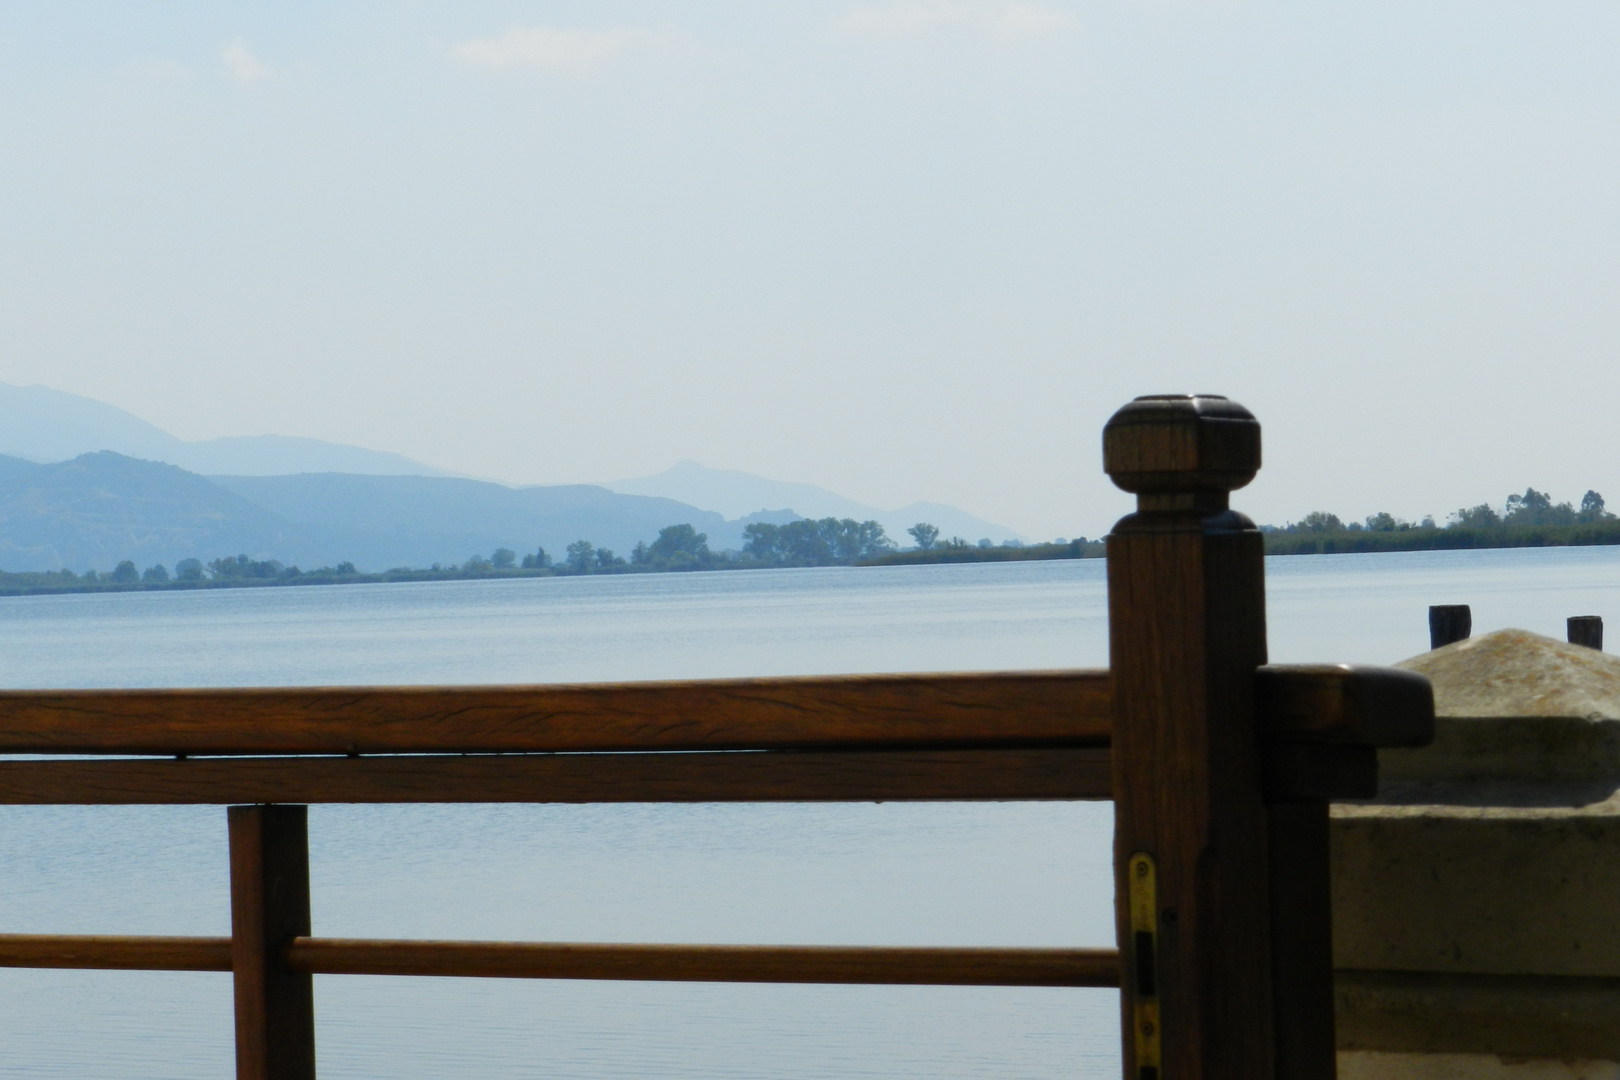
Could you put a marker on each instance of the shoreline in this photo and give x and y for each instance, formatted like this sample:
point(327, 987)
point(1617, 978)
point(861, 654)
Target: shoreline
point(1277, 543)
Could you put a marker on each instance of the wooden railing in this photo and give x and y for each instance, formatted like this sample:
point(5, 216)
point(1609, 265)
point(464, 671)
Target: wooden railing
point(1220, 768)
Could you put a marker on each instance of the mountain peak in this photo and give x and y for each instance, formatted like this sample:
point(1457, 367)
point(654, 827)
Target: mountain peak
point(41, 424)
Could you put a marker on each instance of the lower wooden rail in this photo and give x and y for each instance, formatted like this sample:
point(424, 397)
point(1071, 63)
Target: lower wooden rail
point(1060, 772)
point(108, 953)
point(709, 963)
point(570, 960)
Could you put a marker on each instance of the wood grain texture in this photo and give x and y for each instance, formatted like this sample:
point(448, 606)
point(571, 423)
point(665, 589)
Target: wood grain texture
point(1186, 634)
point(1057, 773)
point(708, 963)
point(275, 1008)
point(108, 953)
point(868, 710)
point(1344, 703)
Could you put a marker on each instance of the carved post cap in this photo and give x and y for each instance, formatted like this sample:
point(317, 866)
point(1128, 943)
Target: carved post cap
point(1169, 444)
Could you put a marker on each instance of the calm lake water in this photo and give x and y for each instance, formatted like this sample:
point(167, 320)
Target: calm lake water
point(997, 874)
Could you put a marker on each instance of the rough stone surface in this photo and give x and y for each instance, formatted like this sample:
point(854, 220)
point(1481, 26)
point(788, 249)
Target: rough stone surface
point(1477, 900)
point(1374, 1065)
point(1523, 1015)
point(1469, 890)
point(1517, 673)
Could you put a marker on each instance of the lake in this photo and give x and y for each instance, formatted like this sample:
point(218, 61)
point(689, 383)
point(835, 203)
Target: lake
point(947, 874)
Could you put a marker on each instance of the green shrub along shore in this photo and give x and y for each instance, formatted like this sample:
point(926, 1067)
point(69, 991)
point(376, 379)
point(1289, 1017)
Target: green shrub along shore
point(1528, 520)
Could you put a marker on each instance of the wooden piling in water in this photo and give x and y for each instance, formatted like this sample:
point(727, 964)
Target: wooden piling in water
point(1586, 630)
point(1449, 623)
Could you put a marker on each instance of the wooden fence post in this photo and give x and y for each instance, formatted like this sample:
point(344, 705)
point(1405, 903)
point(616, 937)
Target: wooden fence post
point(1186, 608)
point(275, 1008)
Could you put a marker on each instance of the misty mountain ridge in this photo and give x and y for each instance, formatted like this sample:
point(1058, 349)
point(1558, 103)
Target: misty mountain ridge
point(43, 425)
point(386, 521)
point(84, 484)
point(99, 509)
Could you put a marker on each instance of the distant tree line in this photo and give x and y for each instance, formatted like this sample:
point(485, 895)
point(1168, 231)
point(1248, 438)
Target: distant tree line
point(931, 549)
point(187, 574)
point(828, 542)
point(242, 568)
point(958, 550)
point(825, 542)
point(1528, 520)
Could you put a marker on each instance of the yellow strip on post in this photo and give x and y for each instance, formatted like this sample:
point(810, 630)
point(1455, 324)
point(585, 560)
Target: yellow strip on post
point(1143, 950)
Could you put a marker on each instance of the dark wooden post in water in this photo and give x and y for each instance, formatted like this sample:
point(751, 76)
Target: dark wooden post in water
point(1586, 630)
point(1449, 623)
point(1186, 606)
point(275, 1008)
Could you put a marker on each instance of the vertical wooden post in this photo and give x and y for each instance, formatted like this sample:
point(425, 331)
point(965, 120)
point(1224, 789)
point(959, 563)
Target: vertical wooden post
point(1302, 939)
point(1449, 623)
point(1585, 630)
point(275, 1009)
point(1186, 608)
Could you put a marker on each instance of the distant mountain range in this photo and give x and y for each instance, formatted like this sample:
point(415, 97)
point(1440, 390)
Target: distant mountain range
point(98, 509)
point(45, 425)
point(129, 490)
point(384, 521)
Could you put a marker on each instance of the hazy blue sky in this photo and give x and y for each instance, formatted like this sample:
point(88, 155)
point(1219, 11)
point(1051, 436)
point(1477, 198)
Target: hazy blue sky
point(908, 250)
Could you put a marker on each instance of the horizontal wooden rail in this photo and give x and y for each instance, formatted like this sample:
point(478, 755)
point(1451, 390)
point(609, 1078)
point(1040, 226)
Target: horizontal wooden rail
point(1323, 703)
point(642, 963)
point(108, 953)
point(728, 776)
point(709, 963)
point(1003, 708)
